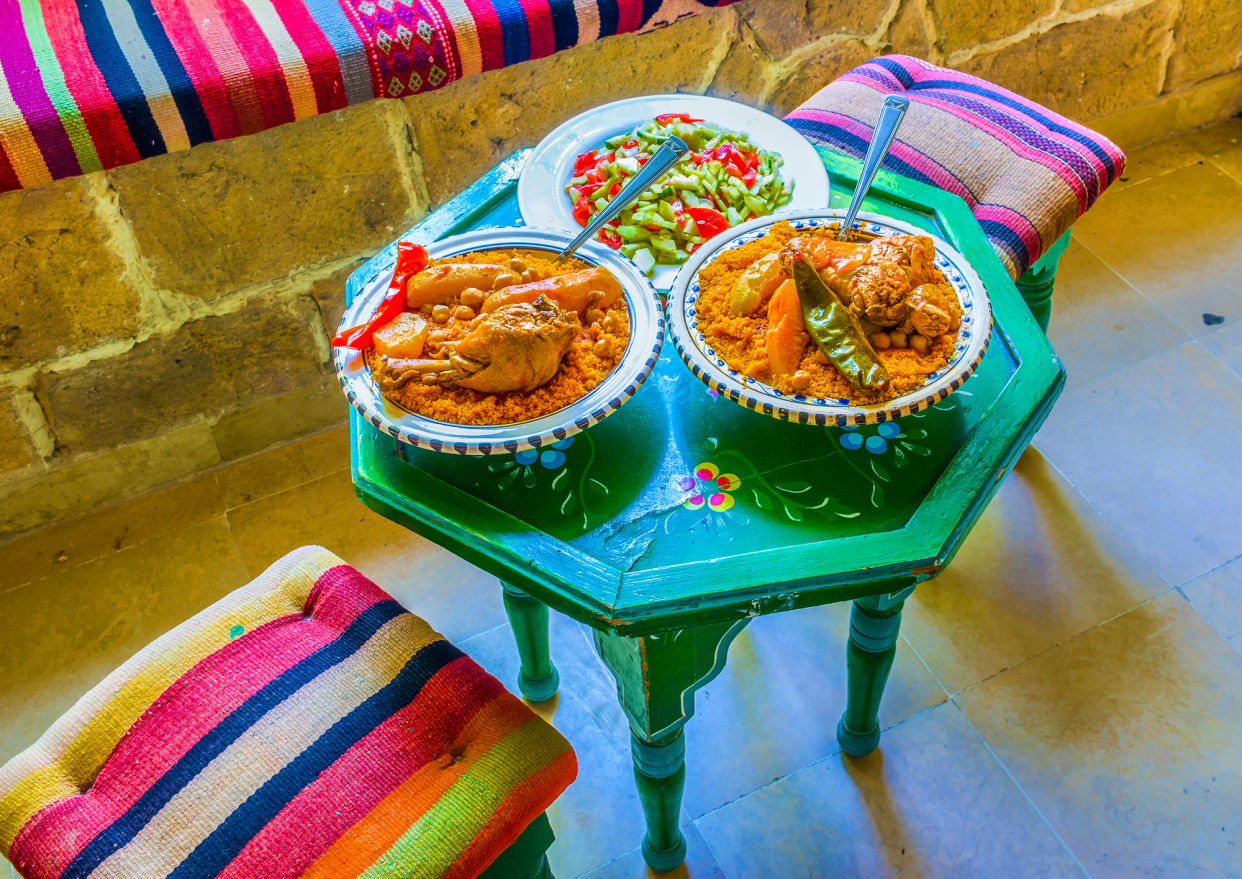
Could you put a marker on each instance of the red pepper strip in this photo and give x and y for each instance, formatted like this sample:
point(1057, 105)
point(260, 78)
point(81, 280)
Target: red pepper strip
point(695, 247)
point(585, 161)
point(642, 160)
point(749, 179)
point(341, 339)
point(752, 162)
point(733, 172)
point(594, 176)
point(697, 158)
point(588, 188)
point(652, 227)
point(582, 210)
point(710, 222)
point(680, 117)
point(616, 187)
point(613, 241)
point(411, 259)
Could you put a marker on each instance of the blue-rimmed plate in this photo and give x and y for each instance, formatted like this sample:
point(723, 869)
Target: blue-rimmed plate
point(692, 345)
point(646, 336)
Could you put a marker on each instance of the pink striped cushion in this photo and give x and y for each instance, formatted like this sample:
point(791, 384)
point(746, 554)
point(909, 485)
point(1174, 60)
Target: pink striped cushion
point(1026, 172)
point(305, 725)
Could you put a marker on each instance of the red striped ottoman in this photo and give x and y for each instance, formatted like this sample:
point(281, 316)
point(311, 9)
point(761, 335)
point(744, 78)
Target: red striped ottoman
point(1027, 173)
point(306, 725)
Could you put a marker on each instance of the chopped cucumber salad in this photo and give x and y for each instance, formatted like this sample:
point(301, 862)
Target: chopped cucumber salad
point(722, 181)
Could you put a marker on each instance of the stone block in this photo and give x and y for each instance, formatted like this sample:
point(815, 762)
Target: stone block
point(467, 127)
point(62, 288)
point(908, 34)
point(1209, 42)
point(203, 369)
point(16, 448)
point(329, 295)
point(747, 74)
point(226, 216)
point(784, 26)
point(1085, 69)
point(85, 483)
point(817, 71)
point(966, 23)
point(279, 419)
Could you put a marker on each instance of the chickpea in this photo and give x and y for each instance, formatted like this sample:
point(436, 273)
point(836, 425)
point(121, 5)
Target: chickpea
point(604, 349)
point(463, 312)
point(472, 297)
point(610, 324)
point(529, 276)
point(897, 339)
point(800, 381)
point(593, 315)
point(517, 265)
point(920, 343)
point(505, 279)
point(426, 309)
point(440, 314)
point(879, 341)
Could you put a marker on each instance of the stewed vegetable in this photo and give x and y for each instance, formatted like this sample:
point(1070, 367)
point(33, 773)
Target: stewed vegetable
point(724, 180)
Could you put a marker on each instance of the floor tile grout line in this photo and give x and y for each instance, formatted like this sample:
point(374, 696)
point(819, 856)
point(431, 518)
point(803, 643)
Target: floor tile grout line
point(710, 850)
point(1021, 789)
point(919, 656)
point(1107, 521)
point(1052, 647)
point(1189, 580)
point(1222, 169)
point(1216, 356)
point(1141, 294)
point(813, 763)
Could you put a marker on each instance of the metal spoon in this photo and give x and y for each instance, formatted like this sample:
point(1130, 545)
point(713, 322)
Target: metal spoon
point(891, 114)
point(663, 159)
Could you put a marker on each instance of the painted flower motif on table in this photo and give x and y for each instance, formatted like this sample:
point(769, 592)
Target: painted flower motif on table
point(528, 464)
point(887, 437)
point(710, 487)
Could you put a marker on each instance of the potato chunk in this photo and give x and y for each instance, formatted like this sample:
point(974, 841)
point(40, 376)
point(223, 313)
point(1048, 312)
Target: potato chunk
point(403, 338)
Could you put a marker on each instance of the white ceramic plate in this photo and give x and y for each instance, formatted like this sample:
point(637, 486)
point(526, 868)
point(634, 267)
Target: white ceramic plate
point(541, 188)
point(692, 345)
point(646, 336)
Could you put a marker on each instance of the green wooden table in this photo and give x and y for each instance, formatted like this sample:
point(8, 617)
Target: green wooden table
point(671, 524)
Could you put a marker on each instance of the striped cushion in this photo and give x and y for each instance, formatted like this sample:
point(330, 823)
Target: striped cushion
point(303, 726)
point(1026, 172)
point(86, 85)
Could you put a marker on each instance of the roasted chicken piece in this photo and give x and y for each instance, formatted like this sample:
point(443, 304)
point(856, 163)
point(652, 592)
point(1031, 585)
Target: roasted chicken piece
point(934, 311)
point(915, 253)
point(879, 292)
point(517, 347)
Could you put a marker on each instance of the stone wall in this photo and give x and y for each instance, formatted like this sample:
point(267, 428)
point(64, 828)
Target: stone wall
point(160, 319)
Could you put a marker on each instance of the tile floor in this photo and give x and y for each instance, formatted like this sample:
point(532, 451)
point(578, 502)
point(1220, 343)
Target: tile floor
point(1067, 697)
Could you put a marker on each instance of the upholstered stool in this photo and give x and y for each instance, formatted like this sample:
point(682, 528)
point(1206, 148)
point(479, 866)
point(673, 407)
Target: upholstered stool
point(305, 725)
point(1027, 173)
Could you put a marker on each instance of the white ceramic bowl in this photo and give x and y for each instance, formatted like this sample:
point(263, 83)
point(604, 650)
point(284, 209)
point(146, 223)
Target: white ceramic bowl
point(646, 336)
point(549, 168)
point(692, 345)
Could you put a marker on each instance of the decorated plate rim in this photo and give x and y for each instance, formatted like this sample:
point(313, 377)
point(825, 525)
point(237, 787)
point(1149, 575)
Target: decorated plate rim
point(640, 357)
point(760, 397)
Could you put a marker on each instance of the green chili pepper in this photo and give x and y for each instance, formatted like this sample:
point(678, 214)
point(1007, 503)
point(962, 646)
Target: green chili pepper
point(836, 330)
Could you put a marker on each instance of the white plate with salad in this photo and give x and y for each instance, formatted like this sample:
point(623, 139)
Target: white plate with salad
point(743, 163)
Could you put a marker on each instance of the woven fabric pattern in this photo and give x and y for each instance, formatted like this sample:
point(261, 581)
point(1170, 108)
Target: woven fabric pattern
point(303, 726)
point(1026, 172)
point(91, 84)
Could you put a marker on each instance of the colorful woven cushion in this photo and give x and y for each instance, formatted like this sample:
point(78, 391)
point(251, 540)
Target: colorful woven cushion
point(1026, 172)
point(303, 726)
point(86, 85)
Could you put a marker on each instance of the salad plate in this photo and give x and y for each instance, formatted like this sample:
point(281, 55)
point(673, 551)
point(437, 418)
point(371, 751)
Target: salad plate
point(541, 192)
point(710, 367)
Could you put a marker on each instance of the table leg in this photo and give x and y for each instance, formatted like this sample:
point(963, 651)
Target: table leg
point(1037, 283)
point(528, 617)
point(874, 626)
point(657, 676)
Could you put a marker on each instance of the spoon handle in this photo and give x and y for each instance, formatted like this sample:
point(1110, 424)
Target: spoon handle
point(664, 158)
point(891, 114)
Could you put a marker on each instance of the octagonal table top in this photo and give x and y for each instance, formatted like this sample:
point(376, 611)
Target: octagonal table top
point(684, 508)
